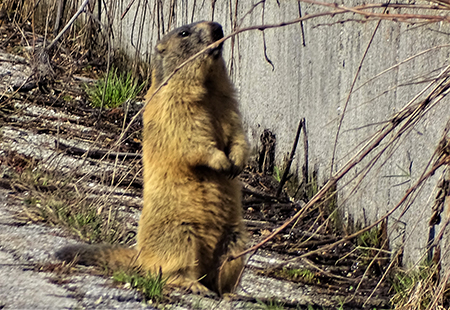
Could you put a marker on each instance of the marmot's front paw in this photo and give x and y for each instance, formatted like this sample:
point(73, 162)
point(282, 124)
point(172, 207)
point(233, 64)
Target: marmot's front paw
point(220, 162)
point(232, 165)
point(234, 171)
point(237, 164)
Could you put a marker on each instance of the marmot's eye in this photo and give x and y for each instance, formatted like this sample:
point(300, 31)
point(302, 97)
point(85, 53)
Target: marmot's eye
point(184, 33)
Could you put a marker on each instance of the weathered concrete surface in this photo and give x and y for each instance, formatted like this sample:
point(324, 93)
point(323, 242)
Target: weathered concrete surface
point(14, 72)
point(22, 247)
point(27, 289)
point(313, 81)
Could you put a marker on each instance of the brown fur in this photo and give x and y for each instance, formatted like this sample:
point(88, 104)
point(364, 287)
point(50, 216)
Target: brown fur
point(193, 147)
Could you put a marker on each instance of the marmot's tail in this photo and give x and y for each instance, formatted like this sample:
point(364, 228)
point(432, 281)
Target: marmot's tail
point(106, 255)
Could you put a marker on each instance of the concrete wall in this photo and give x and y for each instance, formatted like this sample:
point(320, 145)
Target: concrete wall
point(313, 81)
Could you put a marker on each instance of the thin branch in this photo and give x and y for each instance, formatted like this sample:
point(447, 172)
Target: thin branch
point(126, 9)
point(71, 21)
point(395, 17)
point(400, 63)
point(21, 25)
point(291, 158)
point(96, 154)
point(264, 38)
point(249, 12)
point(301, 23)
point(350, 93)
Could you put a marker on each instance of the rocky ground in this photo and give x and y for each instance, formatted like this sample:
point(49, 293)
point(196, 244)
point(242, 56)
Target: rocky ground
point(55, 148)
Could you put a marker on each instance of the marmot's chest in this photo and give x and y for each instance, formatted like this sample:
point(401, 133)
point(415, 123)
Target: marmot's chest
point(183, 128)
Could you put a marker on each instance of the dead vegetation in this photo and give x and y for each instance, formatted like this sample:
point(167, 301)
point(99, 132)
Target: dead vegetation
point(291, 214)
point(55, 198)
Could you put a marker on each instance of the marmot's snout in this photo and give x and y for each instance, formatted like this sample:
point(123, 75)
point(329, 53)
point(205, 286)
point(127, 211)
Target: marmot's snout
point(216, 31)
point(212, 32)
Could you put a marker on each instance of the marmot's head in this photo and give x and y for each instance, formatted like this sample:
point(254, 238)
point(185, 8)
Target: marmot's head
point(180, 44)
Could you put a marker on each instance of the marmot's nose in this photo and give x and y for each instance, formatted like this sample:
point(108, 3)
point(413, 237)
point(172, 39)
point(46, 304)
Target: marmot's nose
point(216, 31)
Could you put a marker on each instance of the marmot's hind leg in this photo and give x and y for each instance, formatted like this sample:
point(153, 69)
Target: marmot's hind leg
point(230, 271)
point(178, 259)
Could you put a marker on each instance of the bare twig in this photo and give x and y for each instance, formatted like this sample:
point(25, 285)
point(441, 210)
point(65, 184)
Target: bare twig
point(71, 21)
point(127, 9)
point(401, 63)
point(305, 167)
point(326, 273)
point(396, 17)
point(291, 158)
point(264, 38)
point(301, 23)
point(350, 93)
point(21, 25)
point(97, 154)
point(256, 192)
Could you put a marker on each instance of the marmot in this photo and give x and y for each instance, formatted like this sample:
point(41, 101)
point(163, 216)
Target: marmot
point(193, 147)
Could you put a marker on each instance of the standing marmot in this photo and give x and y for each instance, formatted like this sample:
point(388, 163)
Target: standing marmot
point(193, 146)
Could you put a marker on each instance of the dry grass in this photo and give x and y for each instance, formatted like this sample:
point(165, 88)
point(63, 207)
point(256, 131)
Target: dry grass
point(54, 198)
point(419, 288)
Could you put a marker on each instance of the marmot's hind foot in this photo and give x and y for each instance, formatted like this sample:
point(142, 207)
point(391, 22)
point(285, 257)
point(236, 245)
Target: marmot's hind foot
point(191, 286)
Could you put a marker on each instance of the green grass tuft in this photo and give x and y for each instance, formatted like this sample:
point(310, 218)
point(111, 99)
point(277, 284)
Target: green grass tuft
point(118, 88)
point(150, 285)
point(302, 275)
point(277, 174)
